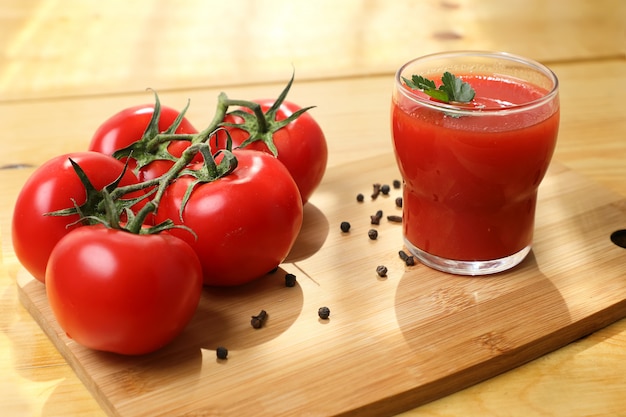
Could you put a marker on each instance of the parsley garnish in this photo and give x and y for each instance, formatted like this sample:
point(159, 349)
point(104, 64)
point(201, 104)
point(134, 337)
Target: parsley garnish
point(452, 89)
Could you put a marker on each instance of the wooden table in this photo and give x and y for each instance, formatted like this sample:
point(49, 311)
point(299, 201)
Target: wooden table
point(66, 66)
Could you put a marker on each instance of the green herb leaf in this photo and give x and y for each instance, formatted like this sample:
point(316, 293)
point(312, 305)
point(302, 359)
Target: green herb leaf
point(452, 88)
point(417, 82)
point(457, 89)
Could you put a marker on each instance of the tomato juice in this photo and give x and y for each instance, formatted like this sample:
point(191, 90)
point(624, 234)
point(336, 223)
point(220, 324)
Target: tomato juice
point(471, 171)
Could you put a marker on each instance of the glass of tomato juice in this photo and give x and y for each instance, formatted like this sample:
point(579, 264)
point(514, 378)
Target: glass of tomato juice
point(471, 170)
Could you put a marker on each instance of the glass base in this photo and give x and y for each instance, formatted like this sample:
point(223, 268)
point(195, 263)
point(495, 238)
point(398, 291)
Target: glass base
point(473, 268)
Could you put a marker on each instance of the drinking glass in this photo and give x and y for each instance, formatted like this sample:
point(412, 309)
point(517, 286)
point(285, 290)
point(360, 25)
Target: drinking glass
point(471, 170)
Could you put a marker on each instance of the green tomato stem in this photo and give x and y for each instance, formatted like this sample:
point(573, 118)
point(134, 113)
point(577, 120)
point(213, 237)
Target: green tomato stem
point(168, 137)
point(198, 144)
point(187, 156)
point(161, 182)
point(258, 112)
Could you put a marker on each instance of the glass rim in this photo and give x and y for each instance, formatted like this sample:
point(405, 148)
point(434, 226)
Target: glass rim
point(464, 111)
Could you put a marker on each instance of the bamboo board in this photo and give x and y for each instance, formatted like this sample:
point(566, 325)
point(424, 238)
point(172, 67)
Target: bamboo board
point(391, 343)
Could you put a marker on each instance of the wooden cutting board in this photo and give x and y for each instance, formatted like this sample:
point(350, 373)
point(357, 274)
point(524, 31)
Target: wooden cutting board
point(391, 343)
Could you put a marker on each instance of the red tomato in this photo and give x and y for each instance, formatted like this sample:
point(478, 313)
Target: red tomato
point(127, 126)
point(301, 145)
point(121, 292)
point(55, 186)
point(245, 222)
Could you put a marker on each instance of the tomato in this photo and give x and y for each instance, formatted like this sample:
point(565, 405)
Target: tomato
point(55, 186)
point(121, 292)
point(128, 126)
point(301, 144)
point(245, 223)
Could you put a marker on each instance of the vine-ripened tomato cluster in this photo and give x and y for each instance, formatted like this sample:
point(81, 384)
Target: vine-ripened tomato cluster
point(125, 234)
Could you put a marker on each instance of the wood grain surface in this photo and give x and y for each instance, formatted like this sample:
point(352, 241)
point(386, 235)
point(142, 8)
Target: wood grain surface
point(391, 343)
point(81, 47)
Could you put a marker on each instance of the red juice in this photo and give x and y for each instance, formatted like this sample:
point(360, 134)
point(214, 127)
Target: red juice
point(471, 178)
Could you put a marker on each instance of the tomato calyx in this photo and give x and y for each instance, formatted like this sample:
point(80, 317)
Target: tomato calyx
point(99, 207)
point(153, 144)
point(107, 206)
point(261, 126)
point(210, 170)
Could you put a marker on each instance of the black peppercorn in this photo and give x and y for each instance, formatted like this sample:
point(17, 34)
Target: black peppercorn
point(324, 313)
point(258, 320)
point(345, 227)
point(385, 189)
point(360, 197)
point(397, 184)
point(410, 261)
point(372, 233)
point(399, 202)
point(381, 270)
point(290, 280)
point(221, 352)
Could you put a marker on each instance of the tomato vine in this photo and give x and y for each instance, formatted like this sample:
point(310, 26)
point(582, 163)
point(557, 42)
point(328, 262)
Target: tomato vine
point(107, 206)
